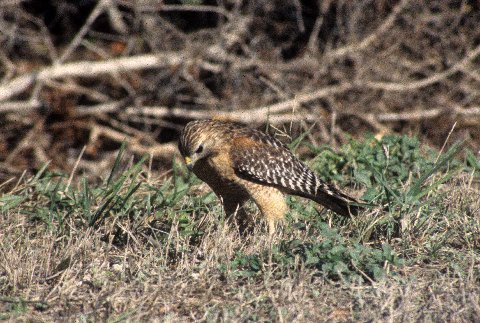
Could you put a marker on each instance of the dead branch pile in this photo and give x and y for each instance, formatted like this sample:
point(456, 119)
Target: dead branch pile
point(76, 74)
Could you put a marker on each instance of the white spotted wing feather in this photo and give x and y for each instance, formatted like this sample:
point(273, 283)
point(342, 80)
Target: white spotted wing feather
point(261, 158)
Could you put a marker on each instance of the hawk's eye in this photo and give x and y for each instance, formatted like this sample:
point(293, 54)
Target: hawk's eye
point(199, 149)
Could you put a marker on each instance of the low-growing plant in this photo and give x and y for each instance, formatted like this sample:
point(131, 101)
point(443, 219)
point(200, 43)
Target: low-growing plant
point(331, 255)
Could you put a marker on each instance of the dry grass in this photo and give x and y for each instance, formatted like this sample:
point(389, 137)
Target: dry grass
point(101, 281)
point(178, 259)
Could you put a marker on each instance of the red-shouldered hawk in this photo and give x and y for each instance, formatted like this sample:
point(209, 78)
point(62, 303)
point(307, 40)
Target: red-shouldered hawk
point(240, 163)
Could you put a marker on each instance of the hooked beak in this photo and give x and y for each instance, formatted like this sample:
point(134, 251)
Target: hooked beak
point(189, 163)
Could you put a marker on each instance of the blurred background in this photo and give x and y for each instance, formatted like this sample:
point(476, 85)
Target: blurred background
point(78, 78)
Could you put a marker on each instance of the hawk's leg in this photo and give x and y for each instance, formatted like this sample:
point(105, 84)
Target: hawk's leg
point(235, 211)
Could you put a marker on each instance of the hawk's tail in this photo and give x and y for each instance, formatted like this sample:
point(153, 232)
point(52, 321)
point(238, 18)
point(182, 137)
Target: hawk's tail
point(338, 202)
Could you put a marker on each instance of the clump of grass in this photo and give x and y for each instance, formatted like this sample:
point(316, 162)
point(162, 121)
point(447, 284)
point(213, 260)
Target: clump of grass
point(410, 187)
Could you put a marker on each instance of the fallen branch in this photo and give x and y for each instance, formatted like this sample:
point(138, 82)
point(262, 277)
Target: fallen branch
point(425, 114)
point(302, 99)
point(262, 114)
point(19, 106)
point(238, 116)
point(90, 69)
point(270, 113)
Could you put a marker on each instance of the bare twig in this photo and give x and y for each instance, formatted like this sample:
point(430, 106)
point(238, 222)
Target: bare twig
point(109, 107)
point(115, 17)
point(97, 11)
point(435, 78)
point(299, 16)
point(313, 39)
point(134, 144)
point(26, 142)
point(365, 43)
point(203, 8)
point(17, 85)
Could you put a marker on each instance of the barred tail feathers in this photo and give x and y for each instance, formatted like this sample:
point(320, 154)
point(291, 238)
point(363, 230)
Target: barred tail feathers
point(336, 201)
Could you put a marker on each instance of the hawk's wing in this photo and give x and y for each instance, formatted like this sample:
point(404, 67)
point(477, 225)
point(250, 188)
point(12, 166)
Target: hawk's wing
point(264, 159)
point(260, 158)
